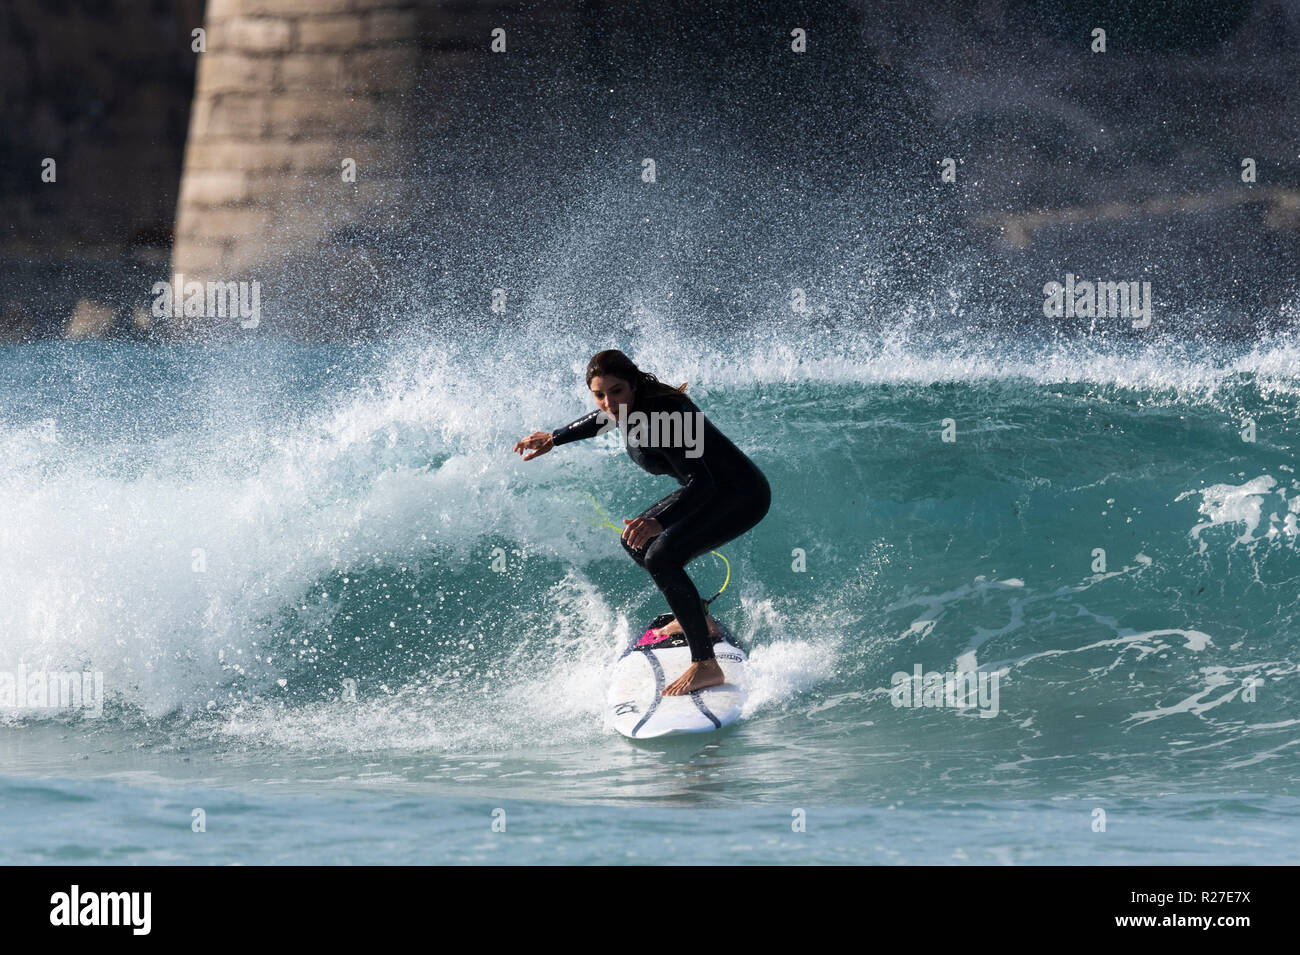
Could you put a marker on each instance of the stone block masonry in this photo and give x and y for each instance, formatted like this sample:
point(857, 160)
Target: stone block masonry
point(288, 89)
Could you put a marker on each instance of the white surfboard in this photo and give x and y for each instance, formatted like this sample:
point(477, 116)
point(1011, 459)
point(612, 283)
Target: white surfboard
point(636, 708)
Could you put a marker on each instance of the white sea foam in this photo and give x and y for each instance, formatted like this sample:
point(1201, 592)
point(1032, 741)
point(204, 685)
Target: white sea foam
point(1243, 504)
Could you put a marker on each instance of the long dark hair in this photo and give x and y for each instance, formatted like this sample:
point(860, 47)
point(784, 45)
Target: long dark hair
point(614, 362)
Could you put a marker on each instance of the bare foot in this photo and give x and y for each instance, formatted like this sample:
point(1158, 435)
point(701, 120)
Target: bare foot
point(699, 675)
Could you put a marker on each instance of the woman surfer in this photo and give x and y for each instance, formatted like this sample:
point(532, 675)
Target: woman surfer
point(723, 493)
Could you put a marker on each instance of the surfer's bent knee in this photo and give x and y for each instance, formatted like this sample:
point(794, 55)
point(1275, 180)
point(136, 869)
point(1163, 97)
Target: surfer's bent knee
point(636, 553)
point(647, 555)
point(658, 556)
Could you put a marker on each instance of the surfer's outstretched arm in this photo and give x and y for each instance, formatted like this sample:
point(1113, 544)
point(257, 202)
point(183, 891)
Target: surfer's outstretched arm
point(588, 426)
point(539, 442)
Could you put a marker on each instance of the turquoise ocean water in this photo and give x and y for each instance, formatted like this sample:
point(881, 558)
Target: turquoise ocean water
point(333, 612)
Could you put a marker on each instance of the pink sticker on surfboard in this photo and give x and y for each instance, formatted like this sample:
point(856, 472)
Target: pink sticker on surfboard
point(651, 636)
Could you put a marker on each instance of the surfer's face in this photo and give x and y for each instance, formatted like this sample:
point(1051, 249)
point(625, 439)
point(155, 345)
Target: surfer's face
point(613, 395)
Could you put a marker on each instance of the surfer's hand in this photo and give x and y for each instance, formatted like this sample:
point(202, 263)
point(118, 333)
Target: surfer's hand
point(640, 530)
point(539, 442)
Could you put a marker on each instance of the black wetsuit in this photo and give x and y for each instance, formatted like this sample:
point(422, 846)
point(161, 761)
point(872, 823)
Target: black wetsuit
point(723, 494)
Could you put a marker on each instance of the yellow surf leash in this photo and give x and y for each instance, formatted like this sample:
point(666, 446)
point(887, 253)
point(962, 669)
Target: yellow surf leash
point(610, 524)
